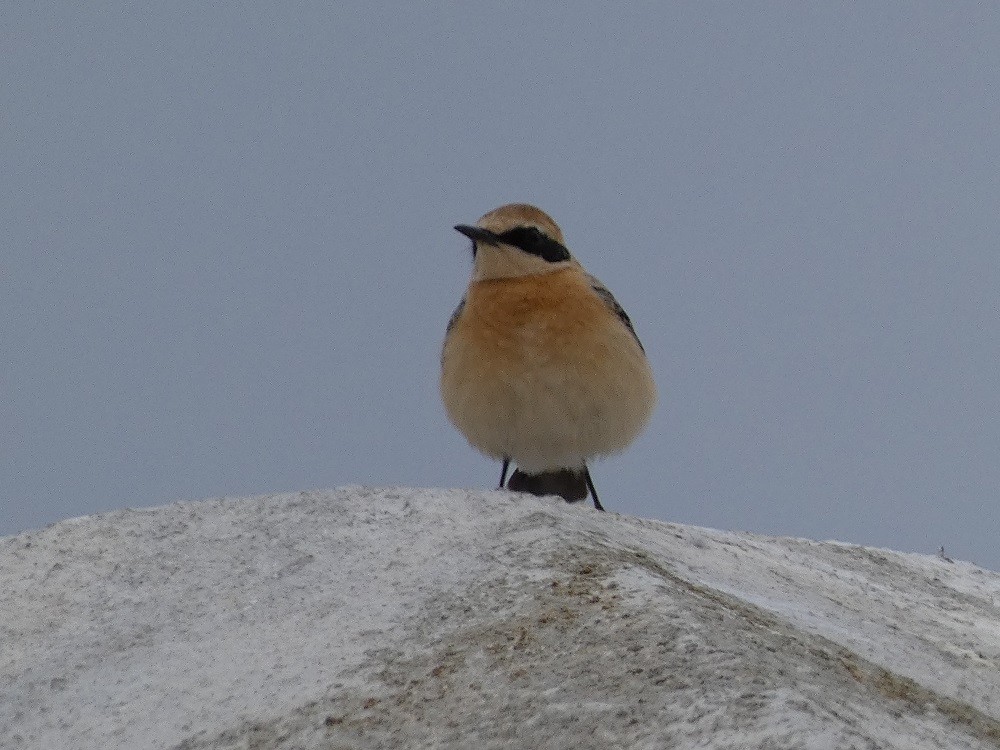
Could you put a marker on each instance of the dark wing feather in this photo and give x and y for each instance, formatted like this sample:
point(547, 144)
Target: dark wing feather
point(455, 315)
point(609, 299)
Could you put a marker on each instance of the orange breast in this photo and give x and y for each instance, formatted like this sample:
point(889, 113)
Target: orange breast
point(539, 369)
point(543, 318)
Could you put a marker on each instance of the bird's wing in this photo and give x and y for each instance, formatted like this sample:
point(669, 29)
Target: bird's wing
point(609, 299)
point(455, 315)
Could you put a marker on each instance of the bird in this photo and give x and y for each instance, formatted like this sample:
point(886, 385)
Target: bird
point(541, 367)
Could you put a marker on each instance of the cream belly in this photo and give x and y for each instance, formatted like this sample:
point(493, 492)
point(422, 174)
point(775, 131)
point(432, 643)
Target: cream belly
point(539, 371)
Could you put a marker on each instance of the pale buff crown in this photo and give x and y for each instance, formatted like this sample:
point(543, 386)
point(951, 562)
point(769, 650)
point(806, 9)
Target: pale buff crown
point(499, 220)
point(505, 261)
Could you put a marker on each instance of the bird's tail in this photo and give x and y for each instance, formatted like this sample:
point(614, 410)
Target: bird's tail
point(569, 484)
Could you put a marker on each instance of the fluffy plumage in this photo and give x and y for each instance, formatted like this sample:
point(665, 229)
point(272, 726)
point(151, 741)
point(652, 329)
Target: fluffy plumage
point(541, 366)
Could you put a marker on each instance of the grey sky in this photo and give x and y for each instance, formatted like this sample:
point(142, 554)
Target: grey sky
point(228, 261)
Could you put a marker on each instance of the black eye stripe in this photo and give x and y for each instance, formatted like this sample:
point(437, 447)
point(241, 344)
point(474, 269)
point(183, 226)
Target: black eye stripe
point(535, 242)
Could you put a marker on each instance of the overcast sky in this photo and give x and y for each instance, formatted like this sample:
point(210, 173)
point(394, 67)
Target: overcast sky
point(228, 256)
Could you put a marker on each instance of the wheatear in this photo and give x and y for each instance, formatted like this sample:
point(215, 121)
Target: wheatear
point(541, 365)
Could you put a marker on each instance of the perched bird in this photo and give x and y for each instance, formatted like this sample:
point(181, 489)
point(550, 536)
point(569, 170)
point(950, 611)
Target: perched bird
point(541, 366)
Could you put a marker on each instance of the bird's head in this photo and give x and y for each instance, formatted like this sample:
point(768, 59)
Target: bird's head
point(515, 240)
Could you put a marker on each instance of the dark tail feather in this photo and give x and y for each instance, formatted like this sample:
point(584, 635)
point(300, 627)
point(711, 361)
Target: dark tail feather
point(569, 484)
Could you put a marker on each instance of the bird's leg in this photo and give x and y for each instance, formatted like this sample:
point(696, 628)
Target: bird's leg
point(503, 472)
point(590, 486)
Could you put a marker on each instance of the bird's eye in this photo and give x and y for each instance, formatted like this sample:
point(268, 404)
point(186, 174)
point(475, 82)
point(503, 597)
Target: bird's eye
point(534, 241)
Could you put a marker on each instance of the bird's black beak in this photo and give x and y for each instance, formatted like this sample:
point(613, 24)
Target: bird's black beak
point(476, 234)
